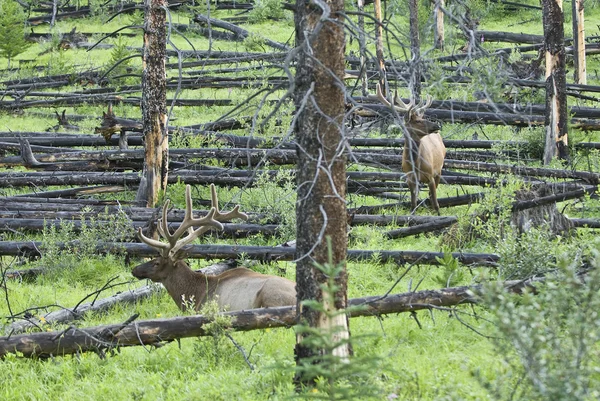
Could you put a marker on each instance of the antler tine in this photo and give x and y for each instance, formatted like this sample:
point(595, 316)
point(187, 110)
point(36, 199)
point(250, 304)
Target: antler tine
point(188, 223)
point(234, 214)
point(381, 97)
point(162, 247)
point(400, 105)
point(421, 107)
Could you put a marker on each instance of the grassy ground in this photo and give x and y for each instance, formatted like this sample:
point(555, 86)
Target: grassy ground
point(431, 356)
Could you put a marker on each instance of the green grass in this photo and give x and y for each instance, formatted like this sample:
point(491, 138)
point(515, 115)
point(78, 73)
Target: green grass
point(437, 361)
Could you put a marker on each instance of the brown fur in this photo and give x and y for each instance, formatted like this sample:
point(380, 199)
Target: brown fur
point(235, 289)
point(423, 158)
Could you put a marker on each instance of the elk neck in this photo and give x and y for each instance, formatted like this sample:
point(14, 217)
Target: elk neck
point(184, 284)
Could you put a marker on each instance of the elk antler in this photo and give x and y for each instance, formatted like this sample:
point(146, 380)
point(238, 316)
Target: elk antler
point(212, 219)
point(399, 105)
point(419, 109)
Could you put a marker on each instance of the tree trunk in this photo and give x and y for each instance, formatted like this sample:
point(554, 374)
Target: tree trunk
point(556, 84)
point(415, 51)
point(154, 106)
point(439, 24)
point(321, 176)
point(379, 46)
point(362, 43)
point(579, 42)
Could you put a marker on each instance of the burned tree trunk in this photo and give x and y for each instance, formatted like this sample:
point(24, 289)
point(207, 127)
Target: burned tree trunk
point(546, 215)
point(321, 176)
point(379, 46)
point(579, 42)
point(415, 51)
point(556, 84)
point(154, 106)
point(362, 44)
point(438, 15)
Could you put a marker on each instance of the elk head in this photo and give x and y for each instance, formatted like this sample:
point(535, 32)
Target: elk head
point(424, 150)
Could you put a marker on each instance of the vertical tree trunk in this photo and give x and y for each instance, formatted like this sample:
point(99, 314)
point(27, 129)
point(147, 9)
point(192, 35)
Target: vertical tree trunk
point(362, 43)
point(439, 24)
point(154, 103)
point(556, 84)
point(579, 42)
point(415, 50)
point(321, 175)
point(379, 47)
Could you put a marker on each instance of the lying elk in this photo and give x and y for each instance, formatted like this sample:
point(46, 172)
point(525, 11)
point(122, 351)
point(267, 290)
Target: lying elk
point(235, 289)
point(424, 150)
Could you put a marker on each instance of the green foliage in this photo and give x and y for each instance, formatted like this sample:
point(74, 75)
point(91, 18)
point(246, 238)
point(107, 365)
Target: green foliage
point(217, 329)
point(451, 273)
point(266, 9)
point(275, 197)
point(492, 219)
point(117, 64)
point(534, 138)
point(335, 377)
point(65, 248)
point(254, 43)
point(549, 340)
point(12, 30)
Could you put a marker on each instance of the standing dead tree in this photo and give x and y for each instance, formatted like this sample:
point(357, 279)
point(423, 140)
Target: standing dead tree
point(321, 206)
point(556, 83)
point(154, 106)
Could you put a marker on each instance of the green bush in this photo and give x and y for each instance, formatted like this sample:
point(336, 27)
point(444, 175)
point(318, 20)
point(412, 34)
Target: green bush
point(548, 337)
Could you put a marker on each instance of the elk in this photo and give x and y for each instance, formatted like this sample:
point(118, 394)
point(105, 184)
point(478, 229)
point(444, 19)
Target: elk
point(424, 150)
point(235, 289)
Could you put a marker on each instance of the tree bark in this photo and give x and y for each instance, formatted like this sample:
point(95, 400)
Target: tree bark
point(579, 41)
point(321, 176)
point(556, 84)
point(415, 50)
point(379, 46)
point(154, 106)
point(438, 14)
point(362, 45)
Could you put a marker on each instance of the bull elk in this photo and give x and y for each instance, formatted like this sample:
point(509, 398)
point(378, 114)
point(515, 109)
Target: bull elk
point(235, 289)
point(424, 150)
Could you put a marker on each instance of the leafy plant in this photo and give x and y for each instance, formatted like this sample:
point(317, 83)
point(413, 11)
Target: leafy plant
point(119, 63)
point(451, 274)
point(217, 328)
point(548, 339)
point(266, 9)
point(12, 30)
point(275, 197)
point(65, 247)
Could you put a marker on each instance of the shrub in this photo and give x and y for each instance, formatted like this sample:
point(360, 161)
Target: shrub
point(549, 338)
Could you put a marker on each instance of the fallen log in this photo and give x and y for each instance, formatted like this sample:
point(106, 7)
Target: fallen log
point(153, 332)
point(591, 178)
point(438, 224)
point(229, 230)
point(264, 253)
point(236, 30)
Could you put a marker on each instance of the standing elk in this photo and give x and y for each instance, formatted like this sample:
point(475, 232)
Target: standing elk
point(424, 150)
point(235, 289)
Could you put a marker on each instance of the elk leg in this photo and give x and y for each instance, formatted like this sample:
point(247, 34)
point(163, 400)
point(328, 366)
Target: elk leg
point(413, 185)
point(433, 183)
